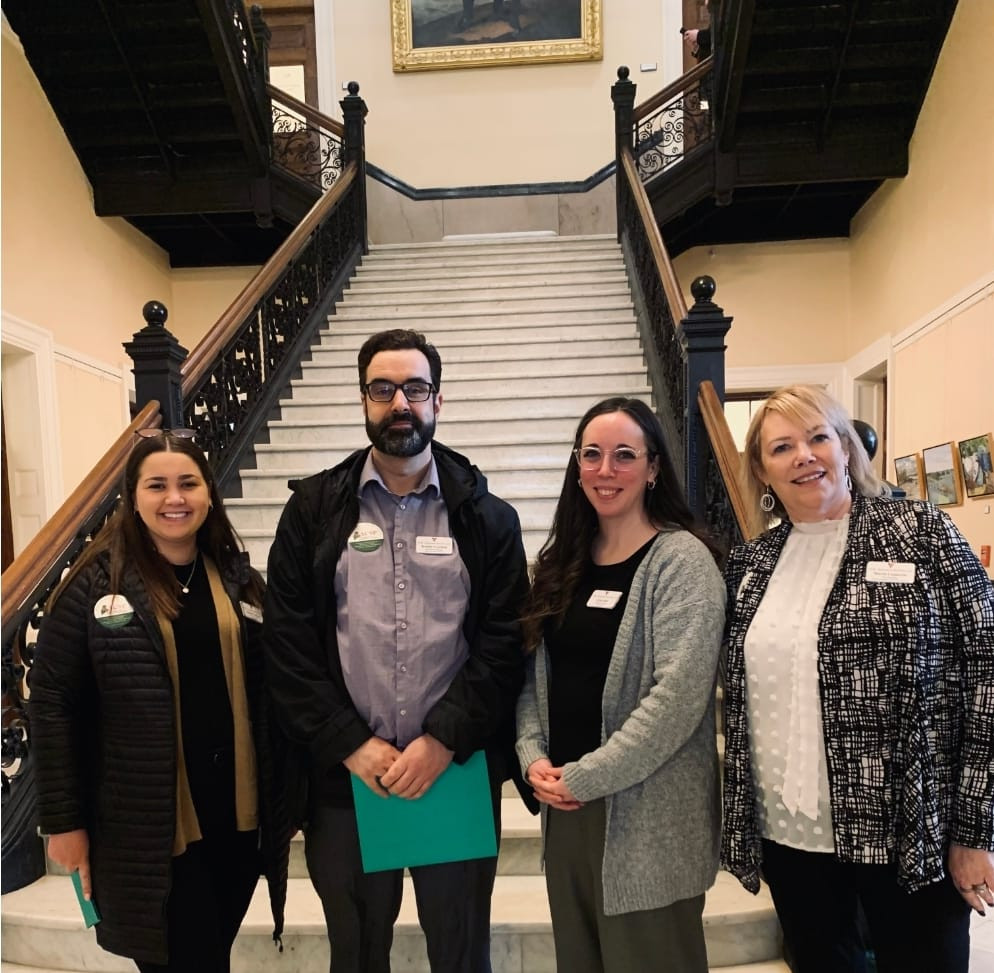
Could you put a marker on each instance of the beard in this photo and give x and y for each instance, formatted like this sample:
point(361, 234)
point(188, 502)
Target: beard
point(400, 442)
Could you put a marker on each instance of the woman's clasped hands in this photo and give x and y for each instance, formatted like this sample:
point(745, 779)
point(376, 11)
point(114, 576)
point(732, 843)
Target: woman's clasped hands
point(548, 786)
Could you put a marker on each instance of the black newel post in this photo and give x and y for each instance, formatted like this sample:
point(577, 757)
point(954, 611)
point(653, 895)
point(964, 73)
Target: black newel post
point(262, 35)
point(158, 356)
point(623, 96)
point(354, 113)
point(702, 334)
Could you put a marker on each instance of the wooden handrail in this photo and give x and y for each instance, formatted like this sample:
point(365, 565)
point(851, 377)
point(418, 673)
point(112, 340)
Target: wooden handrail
point(202, 358)
point(672, 89)
point(28, 569)
point(307, 112)
point(725, 453)
point(671, 287)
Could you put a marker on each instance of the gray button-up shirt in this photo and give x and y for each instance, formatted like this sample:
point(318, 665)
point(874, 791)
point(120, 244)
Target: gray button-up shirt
point(402, 592)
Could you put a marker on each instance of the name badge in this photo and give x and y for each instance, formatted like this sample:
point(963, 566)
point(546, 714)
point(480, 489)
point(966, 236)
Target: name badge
point(433, 545)
point(890, 572)
point(252, 612)
point(604, 599)
point(113, 611)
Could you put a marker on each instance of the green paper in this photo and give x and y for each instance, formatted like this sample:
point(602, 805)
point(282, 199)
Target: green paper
point(87, 906)
point(453, 822)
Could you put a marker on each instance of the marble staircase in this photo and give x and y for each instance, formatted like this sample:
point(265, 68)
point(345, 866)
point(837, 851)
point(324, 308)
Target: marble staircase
point(532, 331)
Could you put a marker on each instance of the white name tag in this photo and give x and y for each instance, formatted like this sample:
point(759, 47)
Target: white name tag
point(604, 599)
point(890, 572)
point(433, 545)
point(251, 612)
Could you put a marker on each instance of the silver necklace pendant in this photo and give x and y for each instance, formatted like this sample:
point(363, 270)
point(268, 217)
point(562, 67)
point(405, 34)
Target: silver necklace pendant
point(185, 588)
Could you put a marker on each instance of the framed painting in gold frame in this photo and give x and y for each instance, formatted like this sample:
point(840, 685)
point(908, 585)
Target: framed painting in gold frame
point(429, 35)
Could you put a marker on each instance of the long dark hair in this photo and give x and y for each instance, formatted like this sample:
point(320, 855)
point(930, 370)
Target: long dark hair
point(566, 552)
point(125, 538)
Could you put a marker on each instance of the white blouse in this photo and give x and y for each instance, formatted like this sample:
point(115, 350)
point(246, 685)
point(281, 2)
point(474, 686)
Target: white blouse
point(784, 706)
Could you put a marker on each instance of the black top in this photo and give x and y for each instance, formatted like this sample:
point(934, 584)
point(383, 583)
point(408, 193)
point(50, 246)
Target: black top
point(205, 707)
point(579, 655)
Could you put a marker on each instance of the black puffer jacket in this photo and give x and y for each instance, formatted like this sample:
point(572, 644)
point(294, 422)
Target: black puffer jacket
point(103, 737)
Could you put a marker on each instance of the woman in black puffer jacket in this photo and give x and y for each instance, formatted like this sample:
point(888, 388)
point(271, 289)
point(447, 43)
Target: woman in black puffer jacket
point(156, 757)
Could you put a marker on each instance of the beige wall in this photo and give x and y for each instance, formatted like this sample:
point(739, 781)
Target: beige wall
point(507, 124)
point(789, 301)
point(200, 296)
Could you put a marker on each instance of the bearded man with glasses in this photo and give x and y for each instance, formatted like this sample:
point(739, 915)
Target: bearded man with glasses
point(395, 585)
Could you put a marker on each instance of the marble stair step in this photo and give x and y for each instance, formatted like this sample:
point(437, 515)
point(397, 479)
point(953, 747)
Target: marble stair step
point(258, 484)
point(348, 431)
point(571, 269)
point(487, 326)
point(466, 287)
point(450, 306)
point(317, 456)
point(623, 360)
point(532, 248)
point(526, 404)
point(470, 352)
point(463, 389)
point(42, 928)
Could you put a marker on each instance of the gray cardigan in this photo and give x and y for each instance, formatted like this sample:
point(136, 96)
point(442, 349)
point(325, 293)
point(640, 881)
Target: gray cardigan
point(657, 765)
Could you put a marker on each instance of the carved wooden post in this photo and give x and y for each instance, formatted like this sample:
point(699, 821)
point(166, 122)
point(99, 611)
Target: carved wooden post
point(702, 334)
point(623, 96)
point(354, 113)
point(263, 35)
point(158, 356)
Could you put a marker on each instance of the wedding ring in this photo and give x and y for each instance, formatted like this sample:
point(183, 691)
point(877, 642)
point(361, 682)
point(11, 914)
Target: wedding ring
point(982, 887)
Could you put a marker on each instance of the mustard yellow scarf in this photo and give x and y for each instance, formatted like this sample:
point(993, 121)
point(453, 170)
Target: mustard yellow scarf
point(246, 790)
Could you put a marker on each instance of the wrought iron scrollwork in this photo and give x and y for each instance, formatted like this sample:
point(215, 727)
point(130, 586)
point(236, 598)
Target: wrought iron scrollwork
point(305, 149)
point(665, 137)
point(719, 516)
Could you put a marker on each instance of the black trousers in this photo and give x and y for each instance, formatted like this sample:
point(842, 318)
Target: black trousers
point(818, 900)
point(211, 886)
point(453, 901)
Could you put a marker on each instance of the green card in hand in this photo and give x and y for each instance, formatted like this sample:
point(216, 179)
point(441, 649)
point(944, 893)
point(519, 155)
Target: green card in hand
point(87, 906)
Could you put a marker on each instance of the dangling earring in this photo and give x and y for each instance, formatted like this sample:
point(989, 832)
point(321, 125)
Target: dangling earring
point(579, 482)
point(767, 501)
point(848, 480)
point(651, 485)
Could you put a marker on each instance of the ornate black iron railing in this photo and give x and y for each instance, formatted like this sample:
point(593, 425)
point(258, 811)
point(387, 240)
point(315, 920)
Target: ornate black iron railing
point(667, 133)
point(305, 143)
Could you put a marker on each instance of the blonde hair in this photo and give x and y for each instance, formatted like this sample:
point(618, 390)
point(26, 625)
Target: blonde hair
point(804, 405)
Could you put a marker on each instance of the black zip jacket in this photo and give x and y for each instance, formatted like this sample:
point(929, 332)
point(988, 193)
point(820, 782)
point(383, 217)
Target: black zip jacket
point(304, 667)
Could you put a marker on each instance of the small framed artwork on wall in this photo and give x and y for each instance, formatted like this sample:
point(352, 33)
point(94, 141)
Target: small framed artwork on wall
point(943, 477)
point(909, 477)
point(975, 464)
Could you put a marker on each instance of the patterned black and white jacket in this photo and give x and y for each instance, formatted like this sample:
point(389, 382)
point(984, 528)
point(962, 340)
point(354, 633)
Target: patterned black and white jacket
point(906, 678)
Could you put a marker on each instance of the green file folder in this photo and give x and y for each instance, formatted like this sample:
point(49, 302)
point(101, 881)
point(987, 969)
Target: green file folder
point(453, 822)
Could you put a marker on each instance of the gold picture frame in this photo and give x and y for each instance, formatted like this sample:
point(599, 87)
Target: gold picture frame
point(910, 475)
point(943, 475)
point(430, 35)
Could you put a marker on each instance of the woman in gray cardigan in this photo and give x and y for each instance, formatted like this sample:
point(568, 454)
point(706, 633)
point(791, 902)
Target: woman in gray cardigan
point(616, 728)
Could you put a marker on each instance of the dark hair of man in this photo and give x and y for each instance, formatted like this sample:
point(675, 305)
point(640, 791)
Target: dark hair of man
point(400, 339)
point(566, 553)
point(126, 539)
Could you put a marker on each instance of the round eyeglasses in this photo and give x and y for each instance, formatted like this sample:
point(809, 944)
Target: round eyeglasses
point(383, 391)
point(622, 458)
point(180, 433)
